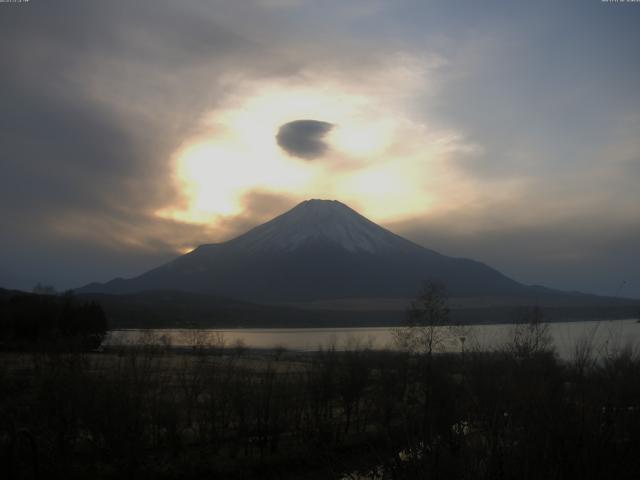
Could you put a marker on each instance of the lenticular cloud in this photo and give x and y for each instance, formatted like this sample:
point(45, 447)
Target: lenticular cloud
point(304, 138)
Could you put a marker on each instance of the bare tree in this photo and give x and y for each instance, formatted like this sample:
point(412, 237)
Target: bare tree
point(427, 321)
point(532, 336)
point(425, 332)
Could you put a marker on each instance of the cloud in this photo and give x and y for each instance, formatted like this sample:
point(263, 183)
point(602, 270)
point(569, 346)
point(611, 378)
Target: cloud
point(304, 138)
point(99, 98)
point(95, 105)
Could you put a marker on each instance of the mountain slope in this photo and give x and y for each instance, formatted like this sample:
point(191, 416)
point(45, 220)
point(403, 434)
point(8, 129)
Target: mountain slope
point(318, 250)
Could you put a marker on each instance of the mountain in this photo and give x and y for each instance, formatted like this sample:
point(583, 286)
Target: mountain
point(320, 249)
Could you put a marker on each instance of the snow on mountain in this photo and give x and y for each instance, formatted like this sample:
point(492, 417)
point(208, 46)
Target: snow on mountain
point(320, 221)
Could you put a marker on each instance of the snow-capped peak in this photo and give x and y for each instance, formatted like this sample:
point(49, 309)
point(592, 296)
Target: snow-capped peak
point(320, 221)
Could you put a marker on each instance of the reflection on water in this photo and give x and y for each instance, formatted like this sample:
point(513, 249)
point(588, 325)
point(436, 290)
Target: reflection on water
point(605, 336)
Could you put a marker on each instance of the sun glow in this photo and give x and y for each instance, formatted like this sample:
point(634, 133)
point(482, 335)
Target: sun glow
point(362, 137)
point(376, 155)
point(215, 176)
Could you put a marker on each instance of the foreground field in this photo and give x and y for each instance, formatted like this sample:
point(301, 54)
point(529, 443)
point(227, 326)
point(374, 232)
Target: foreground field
point(149, 412)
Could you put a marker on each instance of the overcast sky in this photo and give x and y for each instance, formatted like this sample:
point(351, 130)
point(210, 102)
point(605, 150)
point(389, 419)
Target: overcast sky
point(508, 132)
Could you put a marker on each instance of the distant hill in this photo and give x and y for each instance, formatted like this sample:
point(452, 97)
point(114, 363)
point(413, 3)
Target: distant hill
point(174, 309)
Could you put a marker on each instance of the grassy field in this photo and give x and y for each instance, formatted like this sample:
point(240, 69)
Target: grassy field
point(149, 412)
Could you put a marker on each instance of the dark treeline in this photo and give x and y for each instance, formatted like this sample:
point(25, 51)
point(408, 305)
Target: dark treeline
point(171, 309)
point(29, 321)
point(517, 412)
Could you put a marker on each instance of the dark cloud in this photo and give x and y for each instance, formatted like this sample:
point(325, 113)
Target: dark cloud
point(258, 206)
point(304, 138)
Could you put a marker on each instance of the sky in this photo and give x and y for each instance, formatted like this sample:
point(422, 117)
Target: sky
point(507, 132)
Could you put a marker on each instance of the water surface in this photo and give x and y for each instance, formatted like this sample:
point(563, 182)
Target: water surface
point(605, 336)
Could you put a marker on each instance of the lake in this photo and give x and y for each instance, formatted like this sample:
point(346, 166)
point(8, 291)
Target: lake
point(605, 336)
